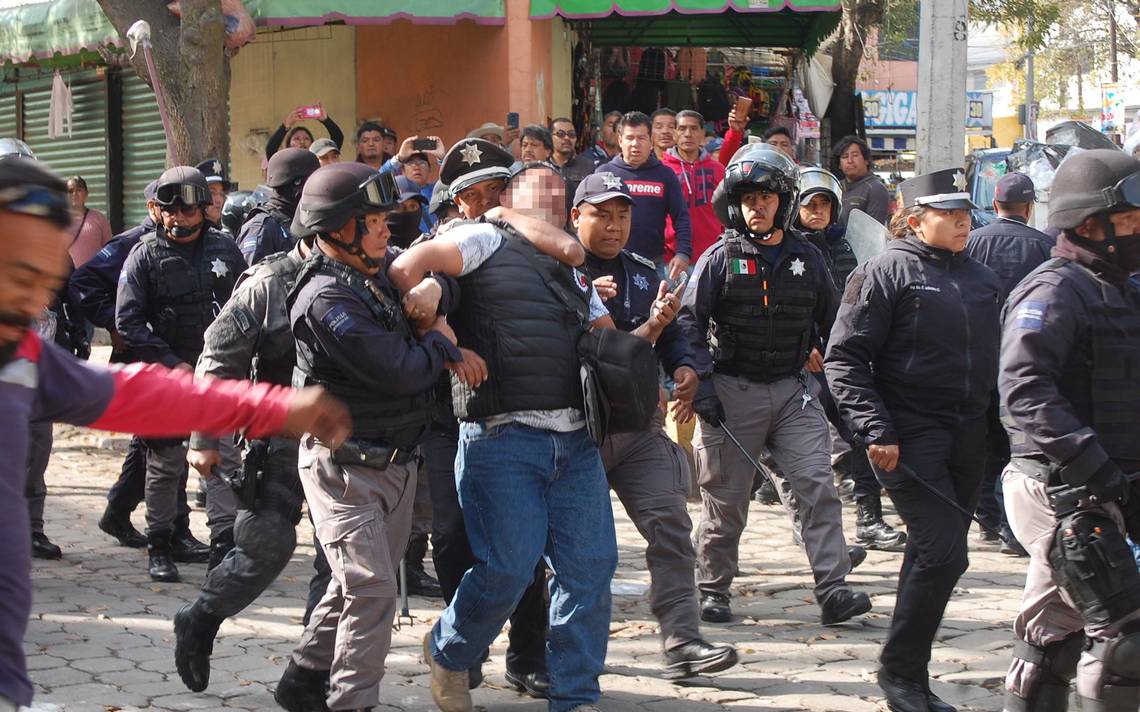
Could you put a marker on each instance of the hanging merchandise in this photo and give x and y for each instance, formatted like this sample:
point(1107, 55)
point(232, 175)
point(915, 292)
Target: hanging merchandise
point(692, 64)
point(60, 108)
point(712, 99)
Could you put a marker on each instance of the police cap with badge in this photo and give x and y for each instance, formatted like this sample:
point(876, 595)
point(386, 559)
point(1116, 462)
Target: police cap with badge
point(472, 161)
point(597, 188)
point(943, 190)
point(214, 172)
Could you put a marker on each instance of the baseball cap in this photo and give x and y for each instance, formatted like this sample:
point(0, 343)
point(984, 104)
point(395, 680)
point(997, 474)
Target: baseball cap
point(1015, 188)
point(322, 146)
point(600, 187)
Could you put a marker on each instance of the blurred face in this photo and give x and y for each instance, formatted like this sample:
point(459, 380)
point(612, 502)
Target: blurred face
point(180, 215)
point(300, 139)
point(217, 200)
point(33, 267)
point(610, 131)
point(370, 145)
point(852, 163)
point(784, 145)
point(76, 195)
point(538, 193)
point(945, 229)
point(329, 157)
point(479, 198)
point(532, 149)
point(664, 132)
point(603, 229)
point(564, 137)
point(759, 209)
point(690, 134)
point(417, 169)
point(635, 148)
point(816, 215)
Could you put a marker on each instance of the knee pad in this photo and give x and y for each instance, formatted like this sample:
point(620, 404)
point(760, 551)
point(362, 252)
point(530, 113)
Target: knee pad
point(1048, 690)
point(1094, 565)
point(1120, 655)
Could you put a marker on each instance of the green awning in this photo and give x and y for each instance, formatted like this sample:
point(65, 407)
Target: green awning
point(699, 23)
point(291, 13)
point(40, 30)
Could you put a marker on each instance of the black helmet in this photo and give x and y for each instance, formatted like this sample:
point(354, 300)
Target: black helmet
point(184, 184)
point(338, 192)
point(28, 188)
point(1089, 183)
point(290, 165)
point(817, 180)
point(756, 166)
point(239, 204)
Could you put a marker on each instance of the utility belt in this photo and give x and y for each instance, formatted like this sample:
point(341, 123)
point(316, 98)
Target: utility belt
point(372, 453)
point(727, 368)
point(1039, 469)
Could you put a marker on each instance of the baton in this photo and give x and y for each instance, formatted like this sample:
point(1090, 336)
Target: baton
point(748, 456)
point(942, 496)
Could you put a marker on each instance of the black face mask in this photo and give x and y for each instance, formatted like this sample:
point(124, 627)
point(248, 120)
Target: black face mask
point(1128, 252)
point(405, 227)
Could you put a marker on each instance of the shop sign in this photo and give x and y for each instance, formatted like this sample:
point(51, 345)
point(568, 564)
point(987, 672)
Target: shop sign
point(899, 109)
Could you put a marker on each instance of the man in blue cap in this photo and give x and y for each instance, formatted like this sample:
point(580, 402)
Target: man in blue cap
point(1012, 250)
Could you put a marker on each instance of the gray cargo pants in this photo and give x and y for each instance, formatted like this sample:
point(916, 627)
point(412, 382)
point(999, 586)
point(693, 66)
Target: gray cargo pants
point(794, 429)
point(362, 517)
point(650, 474)
point(221, 500)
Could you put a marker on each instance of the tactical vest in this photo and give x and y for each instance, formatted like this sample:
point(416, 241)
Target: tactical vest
point(277, 353)
point(527, 336)
point(762, 326)
point(841, 261)
point(397, 421)
point(189, 295)
point(1102, 378)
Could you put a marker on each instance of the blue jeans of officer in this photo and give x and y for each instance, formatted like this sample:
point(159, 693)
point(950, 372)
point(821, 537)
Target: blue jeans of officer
point(527, 493)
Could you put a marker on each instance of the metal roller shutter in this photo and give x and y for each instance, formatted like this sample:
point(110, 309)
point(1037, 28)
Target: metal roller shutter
point(144, 146)
point(85, 151)
point(8, 127)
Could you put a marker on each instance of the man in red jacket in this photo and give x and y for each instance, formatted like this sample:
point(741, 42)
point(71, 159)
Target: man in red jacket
point(40, 383)
point(699, 175)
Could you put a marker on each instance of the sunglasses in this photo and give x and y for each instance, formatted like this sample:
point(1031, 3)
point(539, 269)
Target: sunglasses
point(38, 202)
point(566, 134)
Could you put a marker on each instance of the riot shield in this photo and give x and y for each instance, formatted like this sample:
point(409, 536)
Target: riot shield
point(866, 235)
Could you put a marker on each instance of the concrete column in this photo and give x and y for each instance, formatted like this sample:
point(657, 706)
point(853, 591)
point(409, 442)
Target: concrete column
point(943, 30)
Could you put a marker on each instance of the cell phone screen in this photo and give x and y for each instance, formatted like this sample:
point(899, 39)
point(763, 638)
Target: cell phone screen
point(423, 144)
point(513, 120)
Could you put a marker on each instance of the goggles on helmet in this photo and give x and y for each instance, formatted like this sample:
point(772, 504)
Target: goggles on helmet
point(1124, 195)
point(36, 201)
point(186, 193)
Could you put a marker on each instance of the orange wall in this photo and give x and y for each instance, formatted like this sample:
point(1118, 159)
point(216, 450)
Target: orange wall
point(446, 80)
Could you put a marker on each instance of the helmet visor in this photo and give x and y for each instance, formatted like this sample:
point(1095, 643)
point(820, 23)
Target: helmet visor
point(380, 192)
point(1127, 192)
point(186, 193)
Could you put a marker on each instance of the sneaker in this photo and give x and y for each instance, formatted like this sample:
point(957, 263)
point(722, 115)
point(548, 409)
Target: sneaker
point(448, 687)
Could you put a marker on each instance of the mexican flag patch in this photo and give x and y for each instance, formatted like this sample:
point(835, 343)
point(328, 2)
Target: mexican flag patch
point(742, 266)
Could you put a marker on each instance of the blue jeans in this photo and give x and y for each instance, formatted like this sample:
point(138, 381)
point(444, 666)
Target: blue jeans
point(528, 493)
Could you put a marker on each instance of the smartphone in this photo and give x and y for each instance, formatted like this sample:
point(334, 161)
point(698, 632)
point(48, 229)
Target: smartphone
point(311, 112)
point(513, 120)
point(423, 144)
point(678, 285)
point(743, 107)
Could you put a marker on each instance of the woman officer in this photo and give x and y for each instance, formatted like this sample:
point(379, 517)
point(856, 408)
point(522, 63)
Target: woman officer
point(927, 317)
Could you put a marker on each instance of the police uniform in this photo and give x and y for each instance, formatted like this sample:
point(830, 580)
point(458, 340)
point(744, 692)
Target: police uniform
point(168, 295)
point(927, 318)
point(755, 311)
point(266, 229)
point(1012, 250)
point(352, 339)
point(1070, 354)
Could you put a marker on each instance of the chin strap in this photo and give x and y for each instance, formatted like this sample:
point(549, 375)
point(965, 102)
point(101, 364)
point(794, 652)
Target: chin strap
point(356, 247)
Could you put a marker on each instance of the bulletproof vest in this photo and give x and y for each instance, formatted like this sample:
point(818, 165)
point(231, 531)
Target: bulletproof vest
point(397, 421)
point(527, 336)
point(277, 353)
point(1102, 377)
point(190, 295)
point(841, 261)
point(273, 211)
point(762, 326)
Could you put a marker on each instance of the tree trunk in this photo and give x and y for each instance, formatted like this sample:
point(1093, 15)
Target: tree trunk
point(860, 17)
point(193, 72)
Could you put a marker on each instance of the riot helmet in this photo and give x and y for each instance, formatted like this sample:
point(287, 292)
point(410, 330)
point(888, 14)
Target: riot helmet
point(757, 167)
point(818, 180)
point(1089, 183)
point(15, 147)
point(182, 184)
point(338, 193)
point(288, 170)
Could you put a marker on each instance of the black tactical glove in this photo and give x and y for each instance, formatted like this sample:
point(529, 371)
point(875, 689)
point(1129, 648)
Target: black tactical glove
point(710, 409)
point(1108, 484)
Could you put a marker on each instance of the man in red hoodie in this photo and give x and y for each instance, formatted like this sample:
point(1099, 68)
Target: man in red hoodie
point(699, 175)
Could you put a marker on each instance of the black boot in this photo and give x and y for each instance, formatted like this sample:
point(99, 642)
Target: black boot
point(161, 566)
point(220, 545)
point(194, 632)
point(842, 605)
point(420, 582)
point(42, 548)
point(186, 549)
point(903, 695)
point(302, 690)
point(767, 494)
point(698, 657)
point(871, 532)
point(118, 525)
point(715, 608)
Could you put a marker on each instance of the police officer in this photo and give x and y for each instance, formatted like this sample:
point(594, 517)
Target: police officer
point(442, 206)
point(649, 472)
point(1012, 250)
point(926, 316)
point(759, 299)
point(215, 174)
point(817, 217)
point(171, 287)
point(266, 229)
point(1069, 359)
point(353, 338)
point(239, 204)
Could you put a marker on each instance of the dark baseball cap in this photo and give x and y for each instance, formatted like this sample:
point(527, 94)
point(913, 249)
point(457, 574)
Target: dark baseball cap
point(1015, 188)
point(409, 190)
point(600, 187)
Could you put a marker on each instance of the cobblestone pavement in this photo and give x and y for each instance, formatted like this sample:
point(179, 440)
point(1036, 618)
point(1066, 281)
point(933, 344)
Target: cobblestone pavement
point(100, 638)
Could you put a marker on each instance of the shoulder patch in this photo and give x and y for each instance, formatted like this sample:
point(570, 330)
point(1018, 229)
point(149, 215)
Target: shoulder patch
point(1030, 315)
point(338, 321)
point(854, 287)
point(638, 258)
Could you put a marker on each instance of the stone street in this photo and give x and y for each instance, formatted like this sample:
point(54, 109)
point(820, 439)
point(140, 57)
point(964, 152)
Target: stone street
point(100, 638)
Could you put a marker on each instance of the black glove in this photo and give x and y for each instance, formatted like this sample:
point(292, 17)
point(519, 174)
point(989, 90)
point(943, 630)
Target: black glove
point(710, 409)
point(1108, 484)
point(83, 350)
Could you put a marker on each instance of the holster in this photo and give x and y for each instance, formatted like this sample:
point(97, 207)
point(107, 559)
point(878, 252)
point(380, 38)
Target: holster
point(246, 481)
